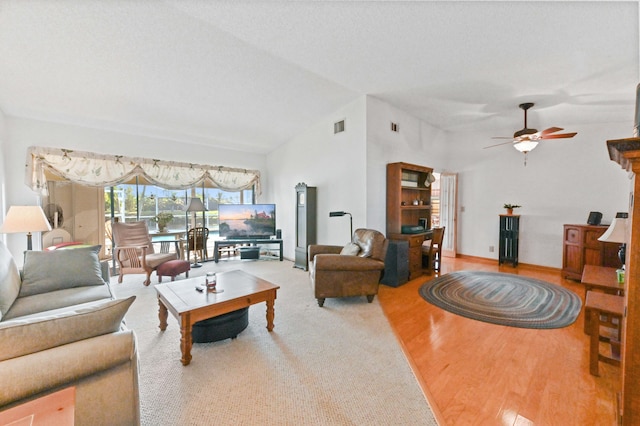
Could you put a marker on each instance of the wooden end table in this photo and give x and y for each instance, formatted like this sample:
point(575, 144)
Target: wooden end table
point(189, 306)
point(602, 279)
point(57, 408)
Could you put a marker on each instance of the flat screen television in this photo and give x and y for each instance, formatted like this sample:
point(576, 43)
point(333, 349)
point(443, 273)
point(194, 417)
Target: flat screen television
point(246, 220)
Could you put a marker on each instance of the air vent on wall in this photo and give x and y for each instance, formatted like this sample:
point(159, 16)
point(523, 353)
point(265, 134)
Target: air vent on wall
point(338, 127)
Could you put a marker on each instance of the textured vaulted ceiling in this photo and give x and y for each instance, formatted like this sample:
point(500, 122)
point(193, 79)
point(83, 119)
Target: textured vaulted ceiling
point(250, 75)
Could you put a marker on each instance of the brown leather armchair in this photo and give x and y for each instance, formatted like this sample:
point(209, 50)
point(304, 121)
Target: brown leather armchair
point(338, 275)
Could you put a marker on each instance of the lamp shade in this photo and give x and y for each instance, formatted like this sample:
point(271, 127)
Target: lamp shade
point(25, 219)
point(617, 231)
point(525, 146)
point(195, 205)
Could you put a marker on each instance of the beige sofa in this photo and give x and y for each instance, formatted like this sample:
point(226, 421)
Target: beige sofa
point(60, 326)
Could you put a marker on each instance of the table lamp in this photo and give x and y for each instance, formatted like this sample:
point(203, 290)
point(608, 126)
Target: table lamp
point(617, 233)
point(25, 219)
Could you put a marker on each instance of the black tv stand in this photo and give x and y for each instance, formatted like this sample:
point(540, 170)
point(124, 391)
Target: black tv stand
point(254, 241)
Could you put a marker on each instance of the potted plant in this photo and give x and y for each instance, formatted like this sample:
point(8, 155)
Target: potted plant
point(510, 207)
point(163, 219)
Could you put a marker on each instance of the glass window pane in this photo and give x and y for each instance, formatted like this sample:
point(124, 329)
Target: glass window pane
point(133, 202)
point(125, 201)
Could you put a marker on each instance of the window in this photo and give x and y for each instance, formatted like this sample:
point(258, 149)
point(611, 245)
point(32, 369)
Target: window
point(133, 202)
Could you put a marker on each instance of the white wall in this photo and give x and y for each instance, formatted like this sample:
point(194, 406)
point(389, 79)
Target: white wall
point(3, 143)
point(335, 164)
point(562, 182)
point(349, 169)
point(22, 133)
point(416, 142)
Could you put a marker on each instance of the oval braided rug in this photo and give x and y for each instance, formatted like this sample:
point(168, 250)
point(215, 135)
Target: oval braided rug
point(504, 299)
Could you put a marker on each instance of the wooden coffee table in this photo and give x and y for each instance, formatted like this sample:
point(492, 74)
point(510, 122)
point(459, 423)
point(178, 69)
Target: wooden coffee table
point(189, 306)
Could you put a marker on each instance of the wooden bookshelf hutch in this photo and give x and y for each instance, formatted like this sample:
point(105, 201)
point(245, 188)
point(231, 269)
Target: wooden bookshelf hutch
point(626, 152)
point(409, 204)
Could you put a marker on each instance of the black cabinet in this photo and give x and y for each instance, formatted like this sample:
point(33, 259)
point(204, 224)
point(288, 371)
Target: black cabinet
point(396, 264)
point(508, 248)
point(306, 220)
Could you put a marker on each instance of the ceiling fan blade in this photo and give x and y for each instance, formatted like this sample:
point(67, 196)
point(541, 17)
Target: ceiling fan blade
point(559, 136)
point(502, 137)
point(498, 144)
point(550, 130)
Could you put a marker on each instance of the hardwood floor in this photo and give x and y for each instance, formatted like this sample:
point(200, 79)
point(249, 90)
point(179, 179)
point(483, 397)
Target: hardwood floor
point(475, 373)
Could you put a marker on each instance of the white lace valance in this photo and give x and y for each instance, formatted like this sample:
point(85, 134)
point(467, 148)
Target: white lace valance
point(93, 169)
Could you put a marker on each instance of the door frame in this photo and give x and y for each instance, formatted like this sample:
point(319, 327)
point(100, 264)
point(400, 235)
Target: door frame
point(449, 212)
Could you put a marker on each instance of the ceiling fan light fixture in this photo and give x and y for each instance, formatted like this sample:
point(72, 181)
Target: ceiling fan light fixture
point(526, 139)
point(525, 146)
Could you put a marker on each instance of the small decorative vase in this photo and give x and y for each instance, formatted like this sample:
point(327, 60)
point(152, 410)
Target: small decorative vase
point(509, 212)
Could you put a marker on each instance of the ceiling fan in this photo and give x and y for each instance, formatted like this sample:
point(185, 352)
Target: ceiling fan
point(526, 139)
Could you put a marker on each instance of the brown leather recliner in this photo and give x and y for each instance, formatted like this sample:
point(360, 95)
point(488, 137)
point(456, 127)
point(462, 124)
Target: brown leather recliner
point(339, 275)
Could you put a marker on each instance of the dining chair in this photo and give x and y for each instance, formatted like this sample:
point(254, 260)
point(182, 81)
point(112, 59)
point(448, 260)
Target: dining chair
point(197, 241)
point(432, 253)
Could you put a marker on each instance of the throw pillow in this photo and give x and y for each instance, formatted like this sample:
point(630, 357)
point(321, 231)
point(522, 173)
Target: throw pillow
point(44, 271)
point(23, 337)
point(364, 240)
point(9, 280)
point(351, 249)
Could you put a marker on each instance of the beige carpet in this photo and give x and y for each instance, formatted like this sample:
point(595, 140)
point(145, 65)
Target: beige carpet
point(337, 365)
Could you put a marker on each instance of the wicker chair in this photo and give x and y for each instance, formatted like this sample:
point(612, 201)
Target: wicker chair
point(197, 241)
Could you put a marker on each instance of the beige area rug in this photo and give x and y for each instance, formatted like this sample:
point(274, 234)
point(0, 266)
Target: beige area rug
point(337, 365)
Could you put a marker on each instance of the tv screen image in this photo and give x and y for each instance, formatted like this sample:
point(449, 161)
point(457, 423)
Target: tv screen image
point(246, 220)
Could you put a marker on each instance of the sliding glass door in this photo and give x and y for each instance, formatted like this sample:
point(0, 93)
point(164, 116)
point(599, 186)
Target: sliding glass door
point(84, 213)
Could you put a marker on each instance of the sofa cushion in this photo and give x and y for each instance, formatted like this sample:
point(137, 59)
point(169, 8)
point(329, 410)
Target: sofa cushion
point(155, 259)
point(44, 271)
point(351, 249)
point(371, 242)
point(41, 304)
point(364, 238)
point(26, 336)
point(9, 280)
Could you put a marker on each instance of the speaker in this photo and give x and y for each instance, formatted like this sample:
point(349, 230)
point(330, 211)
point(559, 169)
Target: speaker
point(396, 264)
point(279, 234)
point(594, 218)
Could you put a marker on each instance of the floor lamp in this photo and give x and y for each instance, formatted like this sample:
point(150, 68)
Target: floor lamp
point(334, 214)
point(25, 219)
point(195, 205)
